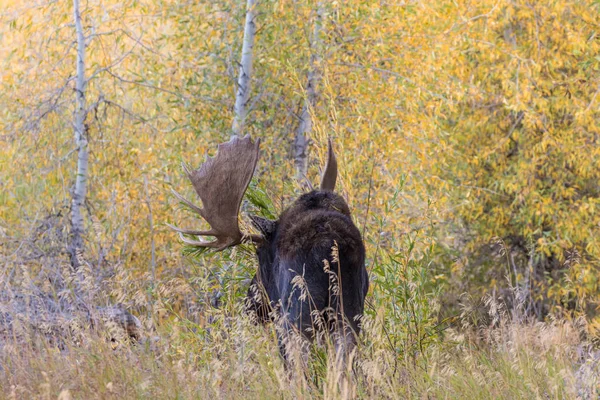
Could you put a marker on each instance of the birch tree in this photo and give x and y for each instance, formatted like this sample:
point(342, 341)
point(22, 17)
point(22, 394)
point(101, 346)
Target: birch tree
point(244, 79)
point(81, 140)
point(301, 139)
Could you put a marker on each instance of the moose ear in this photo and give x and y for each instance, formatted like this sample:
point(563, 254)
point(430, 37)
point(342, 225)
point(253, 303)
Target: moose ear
point(330, 172)
point(264, 225)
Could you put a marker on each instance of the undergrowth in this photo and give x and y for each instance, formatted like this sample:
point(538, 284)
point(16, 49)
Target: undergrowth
point(191, 349)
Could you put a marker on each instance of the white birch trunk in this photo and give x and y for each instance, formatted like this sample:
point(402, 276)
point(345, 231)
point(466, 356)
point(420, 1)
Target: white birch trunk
point(79, 192)
point(243, 84)
point(305, 127)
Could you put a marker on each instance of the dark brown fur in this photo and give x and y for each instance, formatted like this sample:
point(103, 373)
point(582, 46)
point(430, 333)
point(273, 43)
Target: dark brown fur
point(311, 276)
point(301, 243)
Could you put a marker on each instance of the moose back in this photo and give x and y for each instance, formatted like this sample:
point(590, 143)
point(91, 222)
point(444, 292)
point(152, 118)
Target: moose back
point(311, 278)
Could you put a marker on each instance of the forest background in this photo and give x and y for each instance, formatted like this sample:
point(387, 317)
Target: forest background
point(468, 141)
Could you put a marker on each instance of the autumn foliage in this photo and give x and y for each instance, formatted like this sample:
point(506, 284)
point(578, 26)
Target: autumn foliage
point(467, 135)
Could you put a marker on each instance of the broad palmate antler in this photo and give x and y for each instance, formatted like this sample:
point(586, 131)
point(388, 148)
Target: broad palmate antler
point(220, 183)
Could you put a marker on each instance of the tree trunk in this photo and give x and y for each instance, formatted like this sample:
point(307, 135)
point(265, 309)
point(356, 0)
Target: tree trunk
point(243, 84)
point(79, 192)
point(301, 140)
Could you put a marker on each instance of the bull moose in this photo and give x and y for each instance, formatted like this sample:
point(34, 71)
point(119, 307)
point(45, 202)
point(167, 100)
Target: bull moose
point(311, 277)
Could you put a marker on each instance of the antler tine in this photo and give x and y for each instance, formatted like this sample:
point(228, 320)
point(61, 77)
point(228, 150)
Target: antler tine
point(186, 201)
point(330, 172)
point(221, 182)
point(191, 231)
point(201, 243)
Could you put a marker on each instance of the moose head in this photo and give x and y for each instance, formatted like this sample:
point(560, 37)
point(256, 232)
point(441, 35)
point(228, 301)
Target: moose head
point(311, 277)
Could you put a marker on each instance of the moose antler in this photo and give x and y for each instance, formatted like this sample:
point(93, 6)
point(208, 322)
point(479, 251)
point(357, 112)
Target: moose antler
point(330, 172)
point(220, 183)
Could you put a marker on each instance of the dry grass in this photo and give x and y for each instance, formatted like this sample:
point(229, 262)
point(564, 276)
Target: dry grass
point(222, 355)
point(190, 349)
point(409, 180)
point(236, 360)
